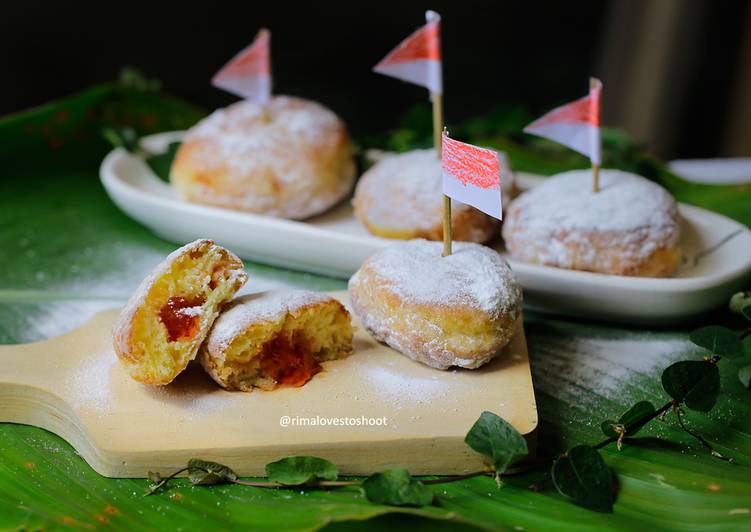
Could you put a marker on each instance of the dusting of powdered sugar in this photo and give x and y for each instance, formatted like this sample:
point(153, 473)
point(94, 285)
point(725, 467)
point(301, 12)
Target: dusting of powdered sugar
point(473, 275)
point(637, 215)
point(90, 384)
point(247, 310)
point(582, 369)
point(242, 125)
point(190, 311)
point(286, 152)
point(404, 192)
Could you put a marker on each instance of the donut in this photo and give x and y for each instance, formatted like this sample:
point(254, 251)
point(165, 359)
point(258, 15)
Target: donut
point(276, 339)
point(165, 321)
point(401, 196)
point(630, 227)
point(458, 310)
point(292, 159)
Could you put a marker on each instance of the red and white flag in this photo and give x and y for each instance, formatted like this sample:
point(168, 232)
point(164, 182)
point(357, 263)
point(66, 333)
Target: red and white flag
point(418, 58)
point(248, 74)
point(576, 124)
point(472, 175)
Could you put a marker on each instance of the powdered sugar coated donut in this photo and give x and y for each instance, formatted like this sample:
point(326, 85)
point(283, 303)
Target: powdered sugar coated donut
point(630, 227)
point(292, 160)
point(401, 196)
point(458, 310)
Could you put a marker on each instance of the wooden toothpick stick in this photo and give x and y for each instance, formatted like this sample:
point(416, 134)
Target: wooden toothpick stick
point(595, 177)
point(437, 129)
point(595, 83)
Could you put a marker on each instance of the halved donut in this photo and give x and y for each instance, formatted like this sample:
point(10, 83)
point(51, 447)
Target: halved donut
point(276, 339)
point(165, 321)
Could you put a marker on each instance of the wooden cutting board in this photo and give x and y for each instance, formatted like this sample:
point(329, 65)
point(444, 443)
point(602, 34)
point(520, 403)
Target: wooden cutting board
point(74, 386)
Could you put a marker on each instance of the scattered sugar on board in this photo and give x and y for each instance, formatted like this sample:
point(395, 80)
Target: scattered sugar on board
point(398, 389)
point(90, 385)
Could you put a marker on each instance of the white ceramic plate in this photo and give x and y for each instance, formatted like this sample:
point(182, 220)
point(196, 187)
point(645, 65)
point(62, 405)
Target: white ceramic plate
point(734, 171)
point(718, 249)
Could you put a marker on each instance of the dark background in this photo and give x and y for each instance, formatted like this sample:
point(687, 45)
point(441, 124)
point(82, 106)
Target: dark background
point(675, 71)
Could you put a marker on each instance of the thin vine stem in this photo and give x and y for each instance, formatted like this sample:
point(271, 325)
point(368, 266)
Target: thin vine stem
point(701, 439)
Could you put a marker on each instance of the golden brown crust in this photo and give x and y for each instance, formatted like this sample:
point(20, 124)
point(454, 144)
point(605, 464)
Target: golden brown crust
point(630, 227)
point(140, 338)
point(610, 257)
point(293, 162)
point(455, 311)
point(468, 225)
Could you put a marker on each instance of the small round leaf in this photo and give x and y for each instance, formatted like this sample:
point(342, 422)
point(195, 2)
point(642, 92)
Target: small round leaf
point(693, 382)
point(740, 301)
point(497, 439)
point(396, 487)
point(298, 470)
point(718, 340)
point(583, 476)
point(206, 473)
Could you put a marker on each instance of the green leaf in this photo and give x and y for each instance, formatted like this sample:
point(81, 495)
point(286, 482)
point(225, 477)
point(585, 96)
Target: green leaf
point(693, 382)
point(396, 487)
point(297, 470)
point(161, 163)
point(746, 311)
point(744, 374)
point(497, 439)
point(632, 420)
point(739, 302)
point(121, 137)
point(718, 340)
point(205, 473)
point(584, 477)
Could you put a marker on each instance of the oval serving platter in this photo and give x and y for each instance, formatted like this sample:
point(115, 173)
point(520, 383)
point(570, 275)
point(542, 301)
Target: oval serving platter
point(717, 259)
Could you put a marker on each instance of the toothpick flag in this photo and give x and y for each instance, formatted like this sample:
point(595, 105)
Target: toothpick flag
point(418, 58)
point(248, 74)
point(576, 124)
point(472, 175)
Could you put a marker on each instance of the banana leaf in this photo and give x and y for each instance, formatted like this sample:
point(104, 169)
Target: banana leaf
point(67, 252)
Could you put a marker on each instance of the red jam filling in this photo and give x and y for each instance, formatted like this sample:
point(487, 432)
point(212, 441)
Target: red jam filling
point(288, 364)
point(180, 325)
